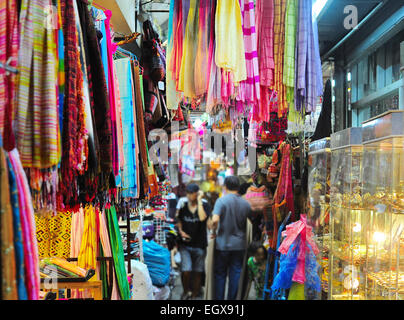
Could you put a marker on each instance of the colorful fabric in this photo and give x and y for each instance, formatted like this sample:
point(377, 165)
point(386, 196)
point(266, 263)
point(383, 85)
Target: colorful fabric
point(87, 258)
point(117, 252)
point(186, 82)
point(61, 66)
point(229, 50)
point(124, 73)
point(309, 85)
point(36, 124)
point(53, 235)
point(98, 92)
point(265, 41)
point(31, 257)
point(17, 230)
point(290, 49)
point(201, 59)
point(279, 52)
point(8, 266)
point(9, 40)
point(106, 249)
point(112, 94)
point(249, 90)
point(70, 155)
point(141, 131)
point(256, 273)
point(265, 48)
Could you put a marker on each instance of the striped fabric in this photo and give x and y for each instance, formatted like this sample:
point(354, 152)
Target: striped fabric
point(290, 48)
point(265, 41)
point(9, 37)
point(279, 49)
point(36, 121)
point(308, 82)
point(249, 90)
point(230, 52)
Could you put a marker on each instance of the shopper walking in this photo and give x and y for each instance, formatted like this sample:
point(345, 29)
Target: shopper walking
point(228, 224)
point(192, 215)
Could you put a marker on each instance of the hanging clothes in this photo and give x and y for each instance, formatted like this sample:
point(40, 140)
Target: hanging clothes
point(117, 252)
point(186, 81)
point(290, 49)
point(309, 85)
point(106, 249)
point(36, 122)
point(265, 44)
point(141, 132)
point(125, 78)
point(229, 51)
point(17, 230)
point(249, 90)
point(31, 255)
point(9, 40)
point(201, 59)
point(98, 92)
point(74, 105)
point(279, 52)
point(8, 266)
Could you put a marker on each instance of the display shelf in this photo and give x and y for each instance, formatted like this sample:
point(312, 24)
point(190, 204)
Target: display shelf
point(348, 223)
point(383, 187)
point(319, 206)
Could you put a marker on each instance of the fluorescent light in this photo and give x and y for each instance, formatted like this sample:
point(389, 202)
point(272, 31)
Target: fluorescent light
point(349, 76)
point(318, 6)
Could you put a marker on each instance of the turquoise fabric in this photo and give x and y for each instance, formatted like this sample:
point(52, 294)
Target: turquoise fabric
point(125, 80)
point(18, 241)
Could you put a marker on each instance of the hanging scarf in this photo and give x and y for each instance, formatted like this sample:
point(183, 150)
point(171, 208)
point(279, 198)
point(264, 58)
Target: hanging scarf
point(9, 38)
point(201, 59)
point(249, 90)
point(87, 258)
point(8, 270)
point(124, 72)
point(106, 249)
point(70, 156)
point(31, 255)
point(18, 240)
point(117, 252)
point(98, 93)
point(141, 131)
point(187, 73)
point(36, 123)
point(112, 94)
point(284, 192)
point(279, 52)
point(229, 51)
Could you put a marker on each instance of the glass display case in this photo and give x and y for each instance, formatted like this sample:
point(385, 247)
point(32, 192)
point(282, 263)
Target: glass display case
point(348, 219)
point(318, 212)
point(383, 199)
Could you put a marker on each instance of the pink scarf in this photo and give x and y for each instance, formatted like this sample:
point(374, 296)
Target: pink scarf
point(31, 255)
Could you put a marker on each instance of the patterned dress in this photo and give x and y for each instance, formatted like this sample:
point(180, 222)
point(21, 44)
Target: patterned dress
point(256, 272)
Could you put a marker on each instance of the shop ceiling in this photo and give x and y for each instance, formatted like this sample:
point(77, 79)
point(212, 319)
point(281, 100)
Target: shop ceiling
point(331, 20)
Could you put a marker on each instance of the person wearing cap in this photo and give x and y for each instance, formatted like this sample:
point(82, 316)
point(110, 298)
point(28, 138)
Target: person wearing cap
point(192, 215)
